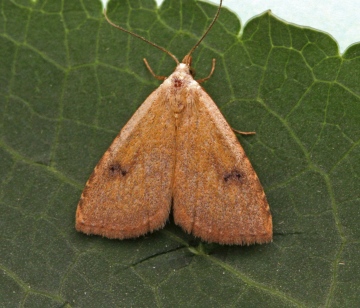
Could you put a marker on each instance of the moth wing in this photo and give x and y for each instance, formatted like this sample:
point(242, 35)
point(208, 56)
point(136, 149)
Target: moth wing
point(129, 191)
point(217, 194)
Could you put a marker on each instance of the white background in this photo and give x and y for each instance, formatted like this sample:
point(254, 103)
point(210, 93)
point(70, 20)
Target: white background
point(341, 19)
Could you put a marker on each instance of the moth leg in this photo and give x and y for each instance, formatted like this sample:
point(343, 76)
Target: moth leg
point(243, 133)
point(152, 72)
point(211, 72)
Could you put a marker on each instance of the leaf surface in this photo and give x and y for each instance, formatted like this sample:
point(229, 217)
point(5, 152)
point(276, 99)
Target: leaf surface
point(69, 82)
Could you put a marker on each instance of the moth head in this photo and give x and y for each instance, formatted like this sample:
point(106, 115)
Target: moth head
point(188, 60)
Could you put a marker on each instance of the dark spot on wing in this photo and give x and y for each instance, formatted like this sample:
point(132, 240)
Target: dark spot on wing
point(115, 169)
point(234, 175)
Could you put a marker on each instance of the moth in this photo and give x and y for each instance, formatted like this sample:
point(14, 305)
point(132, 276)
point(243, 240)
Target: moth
point(176, 152)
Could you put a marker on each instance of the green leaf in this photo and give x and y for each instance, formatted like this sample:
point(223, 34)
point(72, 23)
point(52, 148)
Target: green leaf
point(69, 82)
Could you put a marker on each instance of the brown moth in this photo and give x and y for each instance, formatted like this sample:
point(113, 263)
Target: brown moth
point(176, 151)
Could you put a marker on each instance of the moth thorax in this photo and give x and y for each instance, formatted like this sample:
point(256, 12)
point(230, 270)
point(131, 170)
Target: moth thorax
point(178, 102)
point(177, 82)
point(178, 94)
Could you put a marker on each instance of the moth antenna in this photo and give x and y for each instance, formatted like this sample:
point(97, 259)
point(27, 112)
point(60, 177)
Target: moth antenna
point(188, 56)
point(140, 37)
